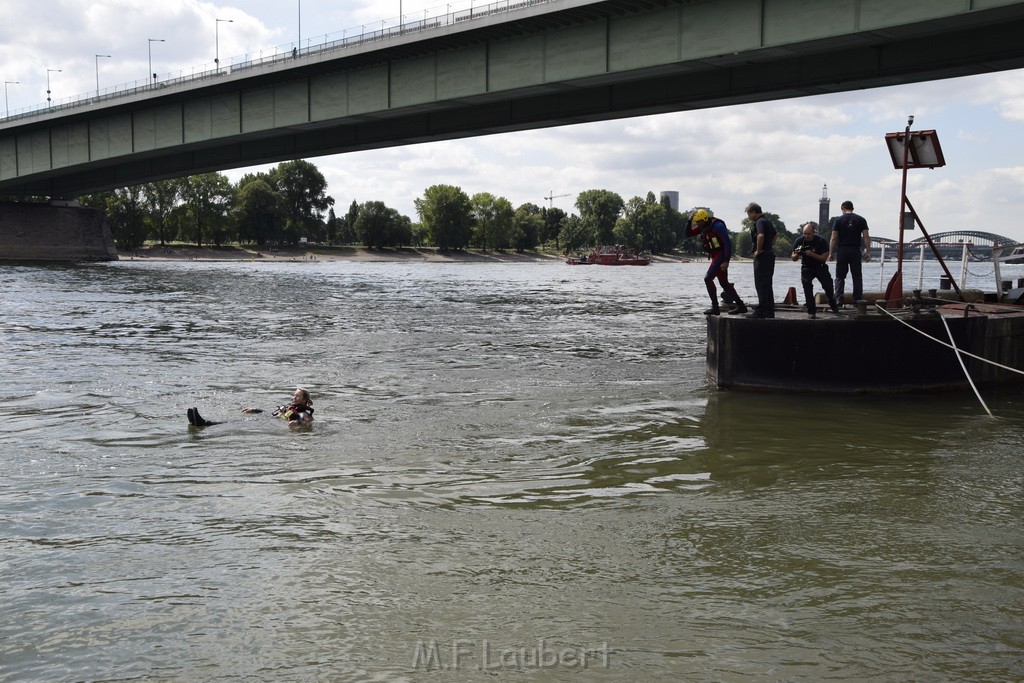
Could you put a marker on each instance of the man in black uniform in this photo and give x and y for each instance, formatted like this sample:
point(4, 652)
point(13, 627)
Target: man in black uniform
point(844, 249)
point(813, 252)
point(762, 242)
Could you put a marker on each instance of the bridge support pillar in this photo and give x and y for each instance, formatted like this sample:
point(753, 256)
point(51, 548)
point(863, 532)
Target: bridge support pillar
point(54, 232)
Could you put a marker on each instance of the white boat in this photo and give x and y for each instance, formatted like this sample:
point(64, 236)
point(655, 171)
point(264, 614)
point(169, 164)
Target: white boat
point(1015, 256)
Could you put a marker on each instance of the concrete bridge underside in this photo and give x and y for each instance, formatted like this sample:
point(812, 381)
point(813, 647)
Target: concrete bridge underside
point(549, 64)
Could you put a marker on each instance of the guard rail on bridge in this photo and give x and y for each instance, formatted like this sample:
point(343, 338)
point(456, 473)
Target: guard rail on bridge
point(278, 55)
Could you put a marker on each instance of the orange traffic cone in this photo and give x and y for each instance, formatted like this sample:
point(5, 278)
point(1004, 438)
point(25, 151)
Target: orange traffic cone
point(790, 297)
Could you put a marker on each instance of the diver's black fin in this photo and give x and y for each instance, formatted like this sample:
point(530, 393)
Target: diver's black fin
point(196, 420)
point(200, 422)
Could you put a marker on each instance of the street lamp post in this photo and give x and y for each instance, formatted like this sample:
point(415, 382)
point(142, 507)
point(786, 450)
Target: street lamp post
point(7, 106)
point(48, 71)
point(151, 41)
point(300, 25)
point(216, 59)
point(98, 73)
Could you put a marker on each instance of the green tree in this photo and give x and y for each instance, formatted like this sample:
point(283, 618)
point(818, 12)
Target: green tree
point(303, 191)
point(553, 218)
point(379, 226)
point(98, 200)
point(528, 227)
point(159, 199)
point(662, 235)
point(492, 221)
point(575, 234)
point(445, 214)
point(259, 175)
point(206, 199)
point(319, 230)
point(43, 199)
point(626, 233)
point(676, 223)
point(644, 225)
point(419, 234)
point(259, 212)
point(346, 226)
point(600, 209)
point(403, 234)
point(126, 213)
point(333, 226)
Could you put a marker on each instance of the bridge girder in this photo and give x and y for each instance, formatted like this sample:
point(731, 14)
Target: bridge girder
point(968, 42)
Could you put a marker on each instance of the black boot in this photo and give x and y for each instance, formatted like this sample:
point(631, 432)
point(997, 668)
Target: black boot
point(714, 310)
point(738, 309)
point(729, 294)
point(195, 419)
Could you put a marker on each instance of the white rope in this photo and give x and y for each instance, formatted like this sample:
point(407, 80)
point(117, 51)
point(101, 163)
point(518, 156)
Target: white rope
point(962, 366)
point(949, 346)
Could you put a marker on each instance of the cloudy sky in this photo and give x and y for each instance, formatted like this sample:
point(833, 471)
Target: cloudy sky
point(779, 153)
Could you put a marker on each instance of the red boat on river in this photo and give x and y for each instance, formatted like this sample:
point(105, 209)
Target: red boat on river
point(610, 256)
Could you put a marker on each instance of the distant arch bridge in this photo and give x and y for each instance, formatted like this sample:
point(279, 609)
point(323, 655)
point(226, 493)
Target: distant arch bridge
point(974, 237)
point(950, 243)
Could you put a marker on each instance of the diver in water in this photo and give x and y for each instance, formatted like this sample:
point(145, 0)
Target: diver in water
point(298, 412)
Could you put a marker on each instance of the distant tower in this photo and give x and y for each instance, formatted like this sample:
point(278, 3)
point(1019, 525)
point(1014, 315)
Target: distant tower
point(823, 211)
point(673, 198)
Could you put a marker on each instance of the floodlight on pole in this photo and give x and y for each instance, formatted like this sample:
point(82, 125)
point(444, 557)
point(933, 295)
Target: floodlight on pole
point(98, 73)
point(48, 72)
point(151, 41)
point(7, 106)
point(216, 59)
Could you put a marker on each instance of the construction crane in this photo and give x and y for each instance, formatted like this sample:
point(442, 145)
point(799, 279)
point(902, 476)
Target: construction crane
point(552, 197)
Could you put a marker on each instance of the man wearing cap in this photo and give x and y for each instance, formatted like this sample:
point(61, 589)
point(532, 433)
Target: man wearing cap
point(762, 241)
point(714, 236)
point(844, 248)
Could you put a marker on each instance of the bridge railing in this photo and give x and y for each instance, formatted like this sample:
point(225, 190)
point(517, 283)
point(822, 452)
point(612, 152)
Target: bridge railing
point(449, 15)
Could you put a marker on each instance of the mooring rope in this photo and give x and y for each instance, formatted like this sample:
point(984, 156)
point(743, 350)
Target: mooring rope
point(948, 346)
point(959, 353)
point(962, 366)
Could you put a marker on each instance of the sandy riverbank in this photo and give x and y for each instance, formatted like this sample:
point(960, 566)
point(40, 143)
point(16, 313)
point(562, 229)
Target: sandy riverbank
point(182, 252)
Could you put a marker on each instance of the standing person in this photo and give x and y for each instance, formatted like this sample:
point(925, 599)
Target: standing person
point(762, 241)
point(844, 249)
point(813, 251)
point(714, 236)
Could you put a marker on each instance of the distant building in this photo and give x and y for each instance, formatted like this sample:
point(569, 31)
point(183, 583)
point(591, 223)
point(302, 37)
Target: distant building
point(673, 198)
point(823, 211)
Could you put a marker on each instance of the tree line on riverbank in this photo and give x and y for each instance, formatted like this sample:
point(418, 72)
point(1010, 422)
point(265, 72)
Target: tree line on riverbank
point(289, 205)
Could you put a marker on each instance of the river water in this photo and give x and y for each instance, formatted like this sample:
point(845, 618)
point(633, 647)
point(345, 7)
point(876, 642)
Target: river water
point(516, 470)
